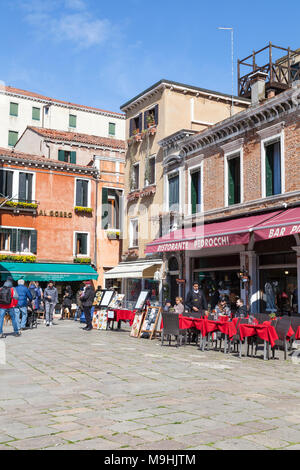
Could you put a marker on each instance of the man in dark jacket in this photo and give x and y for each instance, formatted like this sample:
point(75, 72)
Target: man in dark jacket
point(241, 309)
point(87, 299)
point(21, 309)
point(196, 300)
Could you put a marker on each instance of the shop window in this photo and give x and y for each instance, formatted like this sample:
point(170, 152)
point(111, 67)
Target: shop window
point(25, 187)
point(273, 169)
point(135, 125)
point(111, 208)
point(234, 180)
point(174, 193)
point(82, 193)
point(173, 264)
point(6, 182)
point(72, 121)
point(81, 244)
point(14, 109)
point(134, 233)
point(196, 191)
point(67, 156)
point(36, 114)
point(12, 138)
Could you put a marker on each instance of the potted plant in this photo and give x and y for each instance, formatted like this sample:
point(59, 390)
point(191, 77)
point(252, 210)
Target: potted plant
point(150, 120)
point(112, 234)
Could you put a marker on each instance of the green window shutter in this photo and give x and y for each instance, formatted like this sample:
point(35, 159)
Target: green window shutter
point(61, 155)
point(36, 114)
point(12, 138)
point(33, 241)
point(83, 243)
point(104, 216)
point(6, 178)
point(79, 193)
point(14, 109)
point(194, 191)
point(234, 187)
point(112, 128)
point(73, 157)
point(18, 240)
point(13, 242)
point(269, 170)
point(22, 187)
point(174, 193)
point(72, 120)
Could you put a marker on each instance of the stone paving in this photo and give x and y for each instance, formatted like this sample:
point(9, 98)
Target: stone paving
point(63, 388)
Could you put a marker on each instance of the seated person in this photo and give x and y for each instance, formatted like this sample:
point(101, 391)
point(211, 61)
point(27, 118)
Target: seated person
point(241, 309)
point(167, 306)
point(179, 307)
point(222, 307)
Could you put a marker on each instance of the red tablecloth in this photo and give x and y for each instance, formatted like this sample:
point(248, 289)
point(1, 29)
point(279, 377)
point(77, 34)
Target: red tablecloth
point(264, 332)
point(226, 327)
point(123, 315)
point(297, 334)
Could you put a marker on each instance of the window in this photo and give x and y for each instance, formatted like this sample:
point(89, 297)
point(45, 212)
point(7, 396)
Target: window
point(135, 181)
point(111, 208)
point(151, 117)
point(150, 171)
point(72, 120)
point(273, 168)
point(234, 180)
point(174, 193)
point(82, 193)
point(25, 187)
point(12, 138)
point(36, 114)
point(81, 244)
point(18, 240)
point(134, 233)
point(195, 179)
point(14, 109)
point(67, 156)
point(135, 125)
point(112, 129)
point(6, 183)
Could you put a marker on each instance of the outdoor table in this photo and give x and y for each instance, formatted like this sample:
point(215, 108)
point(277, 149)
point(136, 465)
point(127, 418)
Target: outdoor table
point(224, 326)
point(266, 332)
point(122, 315)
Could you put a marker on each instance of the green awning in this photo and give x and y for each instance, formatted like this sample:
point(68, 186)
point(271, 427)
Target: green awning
point(47, 272)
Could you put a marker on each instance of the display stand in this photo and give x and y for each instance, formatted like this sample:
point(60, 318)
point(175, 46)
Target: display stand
point(150, 322)
point(101, 303)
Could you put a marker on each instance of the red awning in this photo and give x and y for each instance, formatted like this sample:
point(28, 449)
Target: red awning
point(230, 232)
point(282, 225)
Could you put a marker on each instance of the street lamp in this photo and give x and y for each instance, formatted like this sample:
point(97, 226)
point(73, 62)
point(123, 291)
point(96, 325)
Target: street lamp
point(232, 65)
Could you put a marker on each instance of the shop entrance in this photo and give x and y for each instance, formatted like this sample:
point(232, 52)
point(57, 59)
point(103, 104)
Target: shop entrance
point(283, 283)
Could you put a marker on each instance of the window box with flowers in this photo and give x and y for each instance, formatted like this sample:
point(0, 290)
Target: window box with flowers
point(113, 234)
point(18, 258)
point(23, 205)
point(83, 210)
point(137, 135)
point(82, 260)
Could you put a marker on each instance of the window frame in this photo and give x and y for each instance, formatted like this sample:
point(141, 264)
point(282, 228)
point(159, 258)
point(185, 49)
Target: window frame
point(277, 137)
point(170, 175)
point(191, 170)
point(88, 243)
point(39, 110)
point(9, 134)
point(134, 166)
point(131, 233)
point(18, 229)
point(73, 116)
point(109, 127)
point(10, 109)
point(239, 152)
point(88, 195)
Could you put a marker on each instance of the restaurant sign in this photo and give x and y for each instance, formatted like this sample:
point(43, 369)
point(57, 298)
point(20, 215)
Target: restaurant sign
point(277, 232)
point(66, 215)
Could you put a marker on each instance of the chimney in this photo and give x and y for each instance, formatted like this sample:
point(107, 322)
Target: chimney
point(258, 87)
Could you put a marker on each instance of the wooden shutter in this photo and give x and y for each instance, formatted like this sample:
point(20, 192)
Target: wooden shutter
point(141, 122)
point(36, 114)
point(12, 138)
point(61, 155)
point(22, 186)
point(33, 241)
point(269, 170)
point(13, 240)
point(84, 238)
point(156, 114)
point(145, 119)
point(14, 109)
point(6, 178)
point(276, 168)
point(73, 157)
point(194, 191)
point(104, 216)
point(174, 193)
point(231, 181)
point(130, 127)
point(78, 193)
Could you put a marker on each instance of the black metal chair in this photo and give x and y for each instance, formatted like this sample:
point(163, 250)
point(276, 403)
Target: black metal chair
point(236, 340)
point(282, 327)
point(171, 328)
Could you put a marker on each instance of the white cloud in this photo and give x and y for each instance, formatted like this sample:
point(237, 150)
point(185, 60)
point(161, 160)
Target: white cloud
point(75, 4)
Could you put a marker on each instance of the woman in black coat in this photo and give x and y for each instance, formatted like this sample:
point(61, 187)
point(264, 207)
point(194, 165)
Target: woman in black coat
point(67, 301)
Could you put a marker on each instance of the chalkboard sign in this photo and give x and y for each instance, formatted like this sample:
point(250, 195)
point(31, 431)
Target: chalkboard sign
point(150, 321)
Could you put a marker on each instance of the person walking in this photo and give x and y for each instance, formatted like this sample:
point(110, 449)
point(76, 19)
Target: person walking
point(87, 299)
point(39, 296)
point(21, 309)
point(196, 300)
point(50, 299)
point(67, 301)
point(79, 308)
point(8, 302)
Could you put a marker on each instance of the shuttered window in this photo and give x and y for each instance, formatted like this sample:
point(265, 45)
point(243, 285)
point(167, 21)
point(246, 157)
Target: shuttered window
point(174, 193)
point(18, 240)
point(12, 138)
point(112, 129)
point(234, 181)
point(67, 156)
point(6, 181)
point(25, 187)
point(82, 195)
point(36, 114)
point(104, 216)
point(81, 244)
point(14, 109)
point(196, 191)
point(134, 233)
point(273, 169)
point(72, 120)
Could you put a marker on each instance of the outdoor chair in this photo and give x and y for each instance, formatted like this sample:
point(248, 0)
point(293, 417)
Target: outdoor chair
point(171, 328)
point(295, 323)
point(236, 340)
point(262, 317)
point(282, 327)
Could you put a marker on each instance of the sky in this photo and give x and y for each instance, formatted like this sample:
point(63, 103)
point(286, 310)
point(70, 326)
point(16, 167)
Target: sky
point(103, 53)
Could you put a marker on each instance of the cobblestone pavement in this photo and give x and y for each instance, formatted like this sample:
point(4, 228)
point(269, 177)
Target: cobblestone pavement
point(63, 388)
